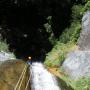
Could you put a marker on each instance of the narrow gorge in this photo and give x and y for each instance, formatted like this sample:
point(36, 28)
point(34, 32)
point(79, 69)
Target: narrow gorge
point(45, 45)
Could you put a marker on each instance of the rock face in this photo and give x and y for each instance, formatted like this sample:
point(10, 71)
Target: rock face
point(77, 64)
point(84, 40)
point(10, 72)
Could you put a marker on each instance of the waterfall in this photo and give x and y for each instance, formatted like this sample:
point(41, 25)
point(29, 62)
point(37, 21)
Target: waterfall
point(41, 79)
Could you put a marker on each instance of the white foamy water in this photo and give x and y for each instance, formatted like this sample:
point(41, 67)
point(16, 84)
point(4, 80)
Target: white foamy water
point(41, 79)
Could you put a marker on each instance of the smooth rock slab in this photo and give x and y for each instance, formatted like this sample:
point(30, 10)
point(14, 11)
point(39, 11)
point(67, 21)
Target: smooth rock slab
point(77, 64)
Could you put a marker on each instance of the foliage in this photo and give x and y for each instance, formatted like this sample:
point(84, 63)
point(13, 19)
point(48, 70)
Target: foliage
point(4, 46)
point(76, 12)
point(87, 6)
point(69, 37)
point(48, 29)
point(58, 54)
point(67, 41)
point(83, 84)
point(71, 34)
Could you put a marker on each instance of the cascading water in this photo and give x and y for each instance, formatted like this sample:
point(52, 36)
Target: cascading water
point(41, 79)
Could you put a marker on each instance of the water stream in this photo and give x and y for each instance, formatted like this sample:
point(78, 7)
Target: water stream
point(41, 79)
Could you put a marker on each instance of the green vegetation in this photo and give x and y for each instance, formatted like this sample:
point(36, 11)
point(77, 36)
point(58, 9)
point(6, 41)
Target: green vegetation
point(87, 6)
point(58, 54)
point(4, 46)
point(48, 29)
point(67, 41)
point(83, 84)
point(79, 84)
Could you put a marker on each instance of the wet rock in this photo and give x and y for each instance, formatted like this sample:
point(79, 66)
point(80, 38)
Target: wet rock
point(10, 72)
point(77, 64)
point(84, 40)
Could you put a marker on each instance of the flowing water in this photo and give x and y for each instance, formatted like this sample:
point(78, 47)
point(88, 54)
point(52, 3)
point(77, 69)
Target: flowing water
point(41, 79)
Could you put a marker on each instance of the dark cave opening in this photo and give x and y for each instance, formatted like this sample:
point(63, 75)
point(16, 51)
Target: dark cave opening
point(21, 27)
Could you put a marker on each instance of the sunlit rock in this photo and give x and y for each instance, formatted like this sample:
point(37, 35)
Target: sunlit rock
point(77, 64)
point(84, 40)
point(10, 73)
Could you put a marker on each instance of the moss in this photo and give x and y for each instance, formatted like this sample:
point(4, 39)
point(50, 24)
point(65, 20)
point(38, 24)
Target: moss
point(4, 47)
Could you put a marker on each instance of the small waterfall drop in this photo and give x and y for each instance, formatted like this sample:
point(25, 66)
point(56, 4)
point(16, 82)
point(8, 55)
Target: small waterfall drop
point(41, 79)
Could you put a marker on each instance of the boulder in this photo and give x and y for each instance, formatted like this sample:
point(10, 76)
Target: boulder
point(10, 73)
point(84, 40)
point(77, 64)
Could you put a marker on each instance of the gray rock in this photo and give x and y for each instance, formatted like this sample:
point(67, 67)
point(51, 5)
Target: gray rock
point(77, 64)
point(84, 40)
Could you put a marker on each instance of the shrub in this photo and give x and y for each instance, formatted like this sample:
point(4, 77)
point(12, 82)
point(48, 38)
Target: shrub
point(68, 39)
point(48, 29)
point(87, 6)
point(77, 12)
point(71, 34)
point(58, 54)
point(4, 46)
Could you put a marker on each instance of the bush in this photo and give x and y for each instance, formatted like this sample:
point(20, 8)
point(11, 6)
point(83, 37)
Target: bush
point(87, 7)
point(57, 55)
point(77, 12)
point(4, 46)
point(71, 34)
point(48, 29)
point(4, 51)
